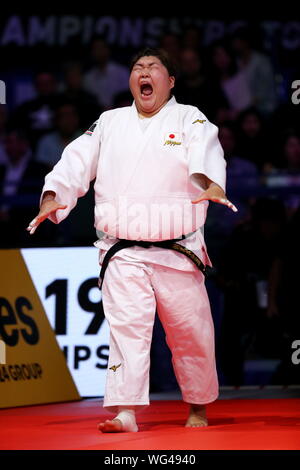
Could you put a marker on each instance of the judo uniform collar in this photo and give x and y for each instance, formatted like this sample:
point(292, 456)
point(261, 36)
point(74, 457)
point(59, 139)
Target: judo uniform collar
point(171, 102)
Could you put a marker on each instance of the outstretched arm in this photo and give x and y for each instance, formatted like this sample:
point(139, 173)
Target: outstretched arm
point(70, 178)
point(207, 165)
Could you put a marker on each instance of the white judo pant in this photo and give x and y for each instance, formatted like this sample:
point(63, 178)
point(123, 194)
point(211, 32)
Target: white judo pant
point(132, 290)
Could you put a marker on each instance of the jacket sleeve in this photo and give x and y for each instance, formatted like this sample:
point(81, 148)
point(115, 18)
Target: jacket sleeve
point(205, 153)
point(71, 176)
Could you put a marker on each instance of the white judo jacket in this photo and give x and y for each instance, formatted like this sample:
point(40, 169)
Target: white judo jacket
point(144, 179)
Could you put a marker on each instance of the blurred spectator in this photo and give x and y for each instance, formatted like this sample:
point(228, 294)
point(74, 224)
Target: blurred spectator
point(195, 88)
point(3, 119)
point(258, 70)
point(286, 117)
point(233, 82)
point(170, 42)
point(51, 146)
point(85, 102)
point(237, 167)
point(252, 138)
point(21, 180)
point(284, 300)
point(286, 171)
point(244, 273)
point(106, 78)
point(241, 173)
point(191, 38)
point(36, 116)
point(291, 153)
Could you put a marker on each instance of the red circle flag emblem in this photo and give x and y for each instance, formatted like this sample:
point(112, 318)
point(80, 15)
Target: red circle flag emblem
point(171, 136)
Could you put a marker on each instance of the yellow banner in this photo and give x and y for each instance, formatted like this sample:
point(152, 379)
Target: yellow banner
point(33, 369)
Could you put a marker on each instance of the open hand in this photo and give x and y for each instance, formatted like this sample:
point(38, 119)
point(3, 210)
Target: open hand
point(47, 208)
point(216, 194)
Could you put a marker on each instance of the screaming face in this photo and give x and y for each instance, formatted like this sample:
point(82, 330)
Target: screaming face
point(150, 85)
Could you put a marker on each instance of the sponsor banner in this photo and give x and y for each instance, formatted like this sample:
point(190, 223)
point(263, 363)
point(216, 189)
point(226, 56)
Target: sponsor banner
point(66, 280)
point(33, 369)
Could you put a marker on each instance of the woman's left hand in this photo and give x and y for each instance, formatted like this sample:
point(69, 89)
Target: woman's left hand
point(216, 194)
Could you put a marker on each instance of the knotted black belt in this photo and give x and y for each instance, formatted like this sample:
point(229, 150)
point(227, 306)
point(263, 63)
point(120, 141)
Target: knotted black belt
point(169, 244)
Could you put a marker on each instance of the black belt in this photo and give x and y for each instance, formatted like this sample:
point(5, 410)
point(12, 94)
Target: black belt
point(170, 244)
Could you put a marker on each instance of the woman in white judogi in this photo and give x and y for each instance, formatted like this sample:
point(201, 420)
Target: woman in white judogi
point(154, 162)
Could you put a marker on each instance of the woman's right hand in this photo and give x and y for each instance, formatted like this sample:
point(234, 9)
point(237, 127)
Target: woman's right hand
point(48, 206)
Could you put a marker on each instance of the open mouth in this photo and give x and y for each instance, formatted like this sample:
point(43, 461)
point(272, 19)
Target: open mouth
point(146, 89)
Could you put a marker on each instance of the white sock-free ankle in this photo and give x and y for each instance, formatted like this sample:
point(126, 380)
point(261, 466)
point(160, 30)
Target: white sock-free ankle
point(127, 416)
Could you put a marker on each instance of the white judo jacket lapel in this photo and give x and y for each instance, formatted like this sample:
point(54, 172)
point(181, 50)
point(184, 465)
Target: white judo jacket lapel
point(137, 142)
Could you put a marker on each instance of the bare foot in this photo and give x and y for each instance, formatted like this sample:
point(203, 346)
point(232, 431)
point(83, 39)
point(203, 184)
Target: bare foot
point(197, 417)
point(111, 425)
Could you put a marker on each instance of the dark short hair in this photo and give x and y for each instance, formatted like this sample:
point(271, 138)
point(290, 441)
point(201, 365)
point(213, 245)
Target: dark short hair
point(161, 54)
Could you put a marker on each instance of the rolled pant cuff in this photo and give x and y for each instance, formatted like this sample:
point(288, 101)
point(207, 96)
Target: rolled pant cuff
point(113, 406)
point(195, 401)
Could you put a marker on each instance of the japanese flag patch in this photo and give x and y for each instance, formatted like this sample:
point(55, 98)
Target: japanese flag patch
point(172, 138)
